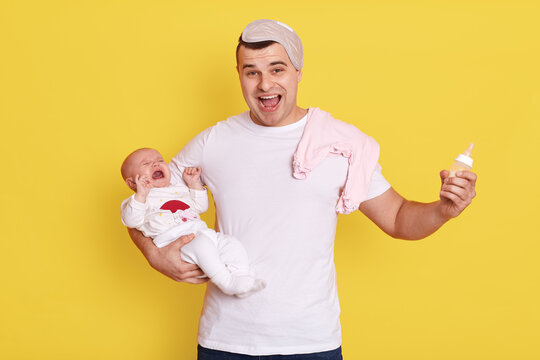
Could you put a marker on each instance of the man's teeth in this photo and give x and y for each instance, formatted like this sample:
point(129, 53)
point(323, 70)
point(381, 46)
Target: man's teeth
point(270, 101)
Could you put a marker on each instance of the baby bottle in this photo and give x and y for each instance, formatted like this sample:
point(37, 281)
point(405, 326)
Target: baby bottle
point(463, 161)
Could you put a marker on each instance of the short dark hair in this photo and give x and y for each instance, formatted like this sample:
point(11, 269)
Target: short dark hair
point(253, 45)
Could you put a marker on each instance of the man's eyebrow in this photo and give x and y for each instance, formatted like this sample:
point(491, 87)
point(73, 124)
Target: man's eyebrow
point(278, 63)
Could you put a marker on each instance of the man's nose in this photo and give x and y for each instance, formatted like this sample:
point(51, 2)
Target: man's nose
point(265, 82)
point(155, 163)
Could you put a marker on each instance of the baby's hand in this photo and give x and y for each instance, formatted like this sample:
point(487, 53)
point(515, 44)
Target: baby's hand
point(143, 188)
point(191, 177)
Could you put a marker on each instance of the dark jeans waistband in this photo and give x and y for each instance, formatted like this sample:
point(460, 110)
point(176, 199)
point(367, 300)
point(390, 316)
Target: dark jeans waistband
point(209, 354)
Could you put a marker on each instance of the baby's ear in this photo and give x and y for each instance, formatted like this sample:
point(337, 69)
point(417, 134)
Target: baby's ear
point(131, 184)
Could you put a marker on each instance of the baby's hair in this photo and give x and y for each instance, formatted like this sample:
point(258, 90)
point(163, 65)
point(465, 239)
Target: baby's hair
point(124, 167)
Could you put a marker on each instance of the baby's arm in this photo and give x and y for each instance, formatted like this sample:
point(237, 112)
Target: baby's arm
point(143, 188)
point(197, 192)
point(134, 209)
point(133, 212)
point(191, 177)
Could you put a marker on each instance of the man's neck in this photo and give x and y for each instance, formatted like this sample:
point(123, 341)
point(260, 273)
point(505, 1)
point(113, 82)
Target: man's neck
point(297, 114)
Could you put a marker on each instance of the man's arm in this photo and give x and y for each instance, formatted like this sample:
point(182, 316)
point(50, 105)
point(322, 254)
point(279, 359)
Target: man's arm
point(411, 220)
point(167, 259)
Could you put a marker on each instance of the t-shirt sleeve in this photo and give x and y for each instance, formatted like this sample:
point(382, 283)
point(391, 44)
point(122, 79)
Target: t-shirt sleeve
point(378, 185)
point(191, 155)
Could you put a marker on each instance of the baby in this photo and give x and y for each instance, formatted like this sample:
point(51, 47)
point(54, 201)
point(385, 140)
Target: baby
point(165, 212)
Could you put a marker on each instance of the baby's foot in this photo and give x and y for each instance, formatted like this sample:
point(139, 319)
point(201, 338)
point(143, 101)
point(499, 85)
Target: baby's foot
point(255, 285)
point(239, 285)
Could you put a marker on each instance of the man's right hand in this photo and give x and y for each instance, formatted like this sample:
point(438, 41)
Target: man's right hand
point(167, 259)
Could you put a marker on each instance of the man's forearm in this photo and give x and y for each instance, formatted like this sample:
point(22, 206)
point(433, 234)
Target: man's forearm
point(145, 244)
point(416, 220)
point(167, 260)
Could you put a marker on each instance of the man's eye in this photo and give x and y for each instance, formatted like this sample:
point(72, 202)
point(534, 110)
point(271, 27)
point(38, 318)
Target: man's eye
point(145, 164)
point(278, 70)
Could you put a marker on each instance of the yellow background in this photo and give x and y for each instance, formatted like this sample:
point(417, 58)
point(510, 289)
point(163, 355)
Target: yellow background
point(85, 82)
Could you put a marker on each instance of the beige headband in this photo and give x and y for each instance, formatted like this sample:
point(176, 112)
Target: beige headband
point(271, 30)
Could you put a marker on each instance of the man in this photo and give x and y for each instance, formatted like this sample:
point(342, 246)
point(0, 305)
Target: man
point(287, 225)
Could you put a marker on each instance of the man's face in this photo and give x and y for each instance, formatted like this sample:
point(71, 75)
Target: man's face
point(269, 84)
point(150, 163)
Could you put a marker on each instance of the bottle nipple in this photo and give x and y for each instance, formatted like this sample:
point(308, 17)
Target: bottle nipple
point(466, 157)
point(468, 152)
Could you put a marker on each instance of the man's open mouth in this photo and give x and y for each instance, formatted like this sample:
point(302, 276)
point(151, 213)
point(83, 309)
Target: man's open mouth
point(269, 102)
point(158, 174)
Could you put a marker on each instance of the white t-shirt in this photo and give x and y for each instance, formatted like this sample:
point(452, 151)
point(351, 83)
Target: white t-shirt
point(287, 227)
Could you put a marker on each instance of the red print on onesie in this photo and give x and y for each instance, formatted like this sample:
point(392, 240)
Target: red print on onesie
point(174, 206)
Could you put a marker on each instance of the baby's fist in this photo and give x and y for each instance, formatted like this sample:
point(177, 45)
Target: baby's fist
point(143, 187)
point(191, 176)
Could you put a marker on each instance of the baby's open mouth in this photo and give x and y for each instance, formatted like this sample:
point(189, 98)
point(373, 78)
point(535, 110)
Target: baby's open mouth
point(158, 174)
point(269, 101)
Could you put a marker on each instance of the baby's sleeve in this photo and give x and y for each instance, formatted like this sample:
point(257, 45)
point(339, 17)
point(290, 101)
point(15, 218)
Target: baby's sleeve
point(200, 200)
point(132, 212)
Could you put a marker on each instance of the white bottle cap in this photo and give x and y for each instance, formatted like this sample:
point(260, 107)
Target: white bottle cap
point(465, 159)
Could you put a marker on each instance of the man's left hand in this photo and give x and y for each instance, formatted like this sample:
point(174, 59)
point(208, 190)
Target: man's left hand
point(456, 192)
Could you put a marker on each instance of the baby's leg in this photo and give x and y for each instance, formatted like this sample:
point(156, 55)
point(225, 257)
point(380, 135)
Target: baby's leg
point(233, 254)
point(203, 251)
point(235, 257)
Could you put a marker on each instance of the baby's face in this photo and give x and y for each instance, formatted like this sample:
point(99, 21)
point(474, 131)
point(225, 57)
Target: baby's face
point(150, 163)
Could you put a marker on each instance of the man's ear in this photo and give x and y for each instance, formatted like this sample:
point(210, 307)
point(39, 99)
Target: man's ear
point(131, 183)
point(300, 75)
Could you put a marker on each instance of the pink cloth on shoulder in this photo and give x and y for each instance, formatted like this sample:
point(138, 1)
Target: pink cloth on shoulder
point(325, 136)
